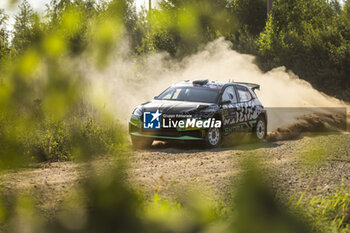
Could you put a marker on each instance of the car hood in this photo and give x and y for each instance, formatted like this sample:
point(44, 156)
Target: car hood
point(176, 107)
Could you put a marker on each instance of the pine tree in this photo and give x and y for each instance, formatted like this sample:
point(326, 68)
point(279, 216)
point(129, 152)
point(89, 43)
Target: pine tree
point(23, 28)
point(3, 35)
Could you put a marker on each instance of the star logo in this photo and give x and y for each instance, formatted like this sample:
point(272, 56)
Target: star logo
point(151, 120)
point(155, 115)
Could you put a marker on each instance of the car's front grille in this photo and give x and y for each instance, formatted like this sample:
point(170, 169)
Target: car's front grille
point(171, 132)
point(161, 132)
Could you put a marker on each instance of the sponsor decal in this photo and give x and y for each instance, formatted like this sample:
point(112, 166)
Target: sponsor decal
point(151, 120)
point(191, 123)
point(155, 120)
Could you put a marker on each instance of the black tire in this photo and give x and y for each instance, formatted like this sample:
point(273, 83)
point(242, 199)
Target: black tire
point(213, 137)
point(260, 129)
point(141, 142)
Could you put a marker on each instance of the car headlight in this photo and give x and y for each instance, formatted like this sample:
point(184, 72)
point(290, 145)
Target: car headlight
point(137, 112)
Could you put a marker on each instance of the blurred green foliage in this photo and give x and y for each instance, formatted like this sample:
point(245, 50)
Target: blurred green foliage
point(46, 115)
point(104, 202)
point(330, 212)
point(256, 201)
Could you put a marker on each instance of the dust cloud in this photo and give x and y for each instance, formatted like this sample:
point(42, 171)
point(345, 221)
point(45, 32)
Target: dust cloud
point(130, 81)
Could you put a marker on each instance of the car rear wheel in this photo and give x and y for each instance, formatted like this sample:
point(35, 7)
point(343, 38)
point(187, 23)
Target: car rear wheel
point(213, 137)
point(260, 129)
point(141, 142)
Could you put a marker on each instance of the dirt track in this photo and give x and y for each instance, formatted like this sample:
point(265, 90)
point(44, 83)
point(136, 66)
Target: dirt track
point(168, 168)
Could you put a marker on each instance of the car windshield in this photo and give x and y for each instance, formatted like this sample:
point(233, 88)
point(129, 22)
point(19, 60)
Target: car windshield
point(193, 94)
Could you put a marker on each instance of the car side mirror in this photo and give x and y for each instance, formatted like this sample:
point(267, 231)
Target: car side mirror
point(156, 97)
point(225, 102)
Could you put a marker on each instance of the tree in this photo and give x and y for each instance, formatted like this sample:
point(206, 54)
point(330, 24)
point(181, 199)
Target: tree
point(125, 10)
point(23, 28)
point(251, 14)
point(251, 20)
point(3, 35)
point(310, 37)
point(56, 8)
point(181, 26)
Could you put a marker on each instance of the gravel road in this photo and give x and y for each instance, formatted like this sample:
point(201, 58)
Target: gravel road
point(169, 169)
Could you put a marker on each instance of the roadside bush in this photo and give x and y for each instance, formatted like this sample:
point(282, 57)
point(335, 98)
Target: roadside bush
point(98, 138)
point(51, 143)
point(55, 140)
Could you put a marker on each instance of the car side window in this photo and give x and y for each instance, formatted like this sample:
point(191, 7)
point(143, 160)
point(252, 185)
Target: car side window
point(229, 95)
point(244, 94)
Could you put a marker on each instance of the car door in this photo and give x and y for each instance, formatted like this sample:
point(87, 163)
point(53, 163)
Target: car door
point(245, 106)
point(228, 105)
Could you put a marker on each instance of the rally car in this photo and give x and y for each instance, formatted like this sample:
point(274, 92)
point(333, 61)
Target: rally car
point(200, 110)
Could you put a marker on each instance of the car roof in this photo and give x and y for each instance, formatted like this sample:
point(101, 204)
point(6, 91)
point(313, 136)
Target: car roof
point(207, 84)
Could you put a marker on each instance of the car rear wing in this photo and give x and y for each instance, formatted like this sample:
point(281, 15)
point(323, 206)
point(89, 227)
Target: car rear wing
point(253, 86)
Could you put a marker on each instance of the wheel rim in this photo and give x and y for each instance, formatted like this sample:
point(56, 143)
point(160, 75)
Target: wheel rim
point(214, 136)
point(260, 129)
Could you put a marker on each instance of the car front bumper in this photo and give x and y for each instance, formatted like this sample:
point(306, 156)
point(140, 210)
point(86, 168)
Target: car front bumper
point(159, 137)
